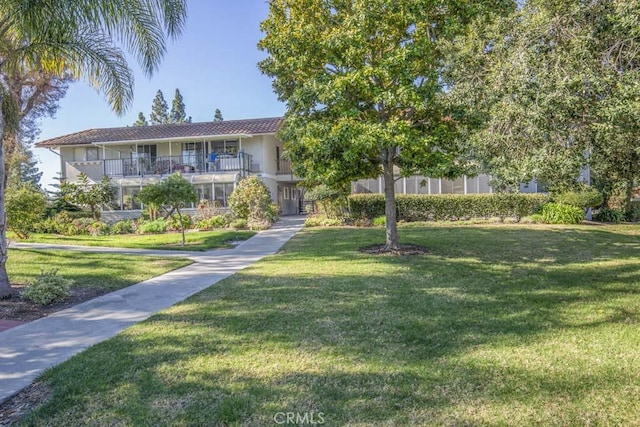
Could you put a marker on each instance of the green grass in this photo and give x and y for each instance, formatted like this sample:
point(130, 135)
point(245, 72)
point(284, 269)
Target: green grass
point(89, 270)
point(499, 325)
point(195, 241)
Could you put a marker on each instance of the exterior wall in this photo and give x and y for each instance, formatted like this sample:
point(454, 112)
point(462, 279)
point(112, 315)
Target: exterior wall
point(424, 185)
point(261, 148)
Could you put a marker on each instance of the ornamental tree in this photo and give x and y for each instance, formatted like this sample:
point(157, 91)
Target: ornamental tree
point(362, 86)
point(88, 194)
point(174, 192)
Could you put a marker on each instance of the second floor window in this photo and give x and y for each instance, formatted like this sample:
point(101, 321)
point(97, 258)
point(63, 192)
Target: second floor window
point(192, 153)
point(145, 152)
point(224, 147)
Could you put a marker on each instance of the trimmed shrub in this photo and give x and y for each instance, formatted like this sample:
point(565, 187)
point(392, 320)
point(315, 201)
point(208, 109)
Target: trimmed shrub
point(173, 222)
point(320, 220)
point(152, 227)
point(122, 227)
point(556, 213)
point(251, 200)
point(25, 206)
point(379, 221)
point(99, 228)
point(238, 224)
point(610, 215)
point(216, 221)
point(580, 199)
point(48, 287)
point(448, 207)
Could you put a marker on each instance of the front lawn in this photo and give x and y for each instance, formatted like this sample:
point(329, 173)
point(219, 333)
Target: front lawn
point(108, 272)
point(92, 275)
point(499, 325)
point(195, 241)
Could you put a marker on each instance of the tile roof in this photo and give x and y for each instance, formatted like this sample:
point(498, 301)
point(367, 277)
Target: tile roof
point(156, 132)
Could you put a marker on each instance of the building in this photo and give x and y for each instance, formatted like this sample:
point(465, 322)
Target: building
point(213, 156)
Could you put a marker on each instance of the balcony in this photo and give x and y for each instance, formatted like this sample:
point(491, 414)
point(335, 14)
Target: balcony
point(142, 166)
point(283, 167)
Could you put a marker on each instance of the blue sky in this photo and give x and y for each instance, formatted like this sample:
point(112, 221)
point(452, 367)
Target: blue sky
point(213, 63)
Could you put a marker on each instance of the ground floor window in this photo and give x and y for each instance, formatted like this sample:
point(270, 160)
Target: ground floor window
point(130, 199)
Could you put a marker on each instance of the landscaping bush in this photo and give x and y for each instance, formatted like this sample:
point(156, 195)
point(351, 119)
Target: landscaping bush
point(99, 228)
point(251, 200)
point(48, 287)
point(556, 213)
point(216, 221)
point(152, 227)
point(580, 199)
point(320, 220)
point(238, 224)
point(448, 207)
point(25, 206)
point(328, 201)
point(173, 222)
point(634, 214)
point(379, 221)
point(123, 227)
point(610, 215)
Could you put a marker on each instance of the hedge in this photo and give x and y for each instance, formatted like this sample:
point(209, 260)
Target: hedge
point(448, 207)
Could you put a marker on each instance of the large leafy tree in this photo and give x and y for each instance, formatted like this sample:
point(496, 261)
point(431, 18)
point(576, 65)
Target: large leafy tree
point(554, 87)
point(31, 95)
point(362, 86)
point(82, 39)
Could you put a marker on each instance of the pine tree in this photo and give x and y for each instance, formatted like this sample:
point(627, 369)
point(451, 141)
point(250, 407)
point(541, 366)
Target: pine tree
point(217, 117)
point(159, 110)
point(178, 114)
point(142, 120)
point(24, 170)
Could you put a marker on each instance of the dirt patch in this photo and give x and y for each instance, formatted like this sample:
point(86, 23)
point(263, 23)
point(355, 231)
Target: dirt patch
point(20, 309)
point(403, 250)
point(22, 403)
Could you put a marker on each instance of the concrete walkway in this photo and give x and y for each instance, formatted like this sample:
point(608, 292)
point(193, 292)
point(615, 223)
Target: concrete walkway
point(27, 350)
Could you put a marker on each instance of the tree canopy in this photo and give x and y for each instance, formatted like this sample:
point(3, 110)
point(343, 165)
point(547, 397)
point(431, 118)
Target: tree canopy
point(174, 192)
point(362, 86)
point(159, 110)
point(141, 121)
point(178, 114)
point(83, 39)
point(554, 87)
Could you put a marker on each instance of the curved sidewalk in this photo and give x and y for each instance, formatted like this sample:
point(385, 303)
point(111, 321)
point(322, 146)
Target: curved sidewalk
point(27, 350)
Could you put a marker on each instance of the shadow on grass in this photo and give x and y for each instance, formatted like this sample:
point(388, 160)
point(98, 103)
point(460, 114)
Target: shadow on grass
point(382, 340)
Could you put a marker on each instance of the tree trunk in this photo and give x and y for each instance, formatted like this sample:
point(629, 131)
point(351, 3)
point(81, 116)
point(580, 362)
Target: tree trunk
point(5, 286)
point(181, 226)
point(390, 200)
point(628, 197)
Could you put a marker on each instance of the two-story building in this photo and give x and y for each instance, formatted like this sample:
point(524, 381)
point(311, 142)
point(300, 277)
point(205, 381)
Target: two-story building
point(213, 156)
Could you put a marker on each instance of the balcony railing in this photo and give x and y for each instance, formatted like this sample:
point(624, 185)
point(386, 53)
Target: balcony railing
point(186, 164)
point(283, 167)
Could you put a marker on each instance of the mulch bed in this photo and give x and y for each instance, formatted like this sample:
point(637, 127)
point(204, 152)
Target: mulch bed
point(17, 308)
point(403, 250)
point(22, 403)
